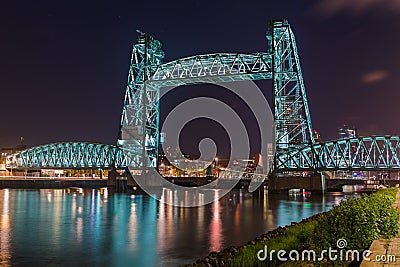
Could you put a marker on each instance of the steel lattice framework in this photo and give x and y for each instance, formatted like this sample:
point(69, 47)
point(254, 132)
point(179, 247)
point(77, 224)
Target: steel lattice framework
point(293, 128)
point(70, 155)
point(296, 149)
point(147, 75)
point(362, 153)
point(214, 68)
point(139, 131)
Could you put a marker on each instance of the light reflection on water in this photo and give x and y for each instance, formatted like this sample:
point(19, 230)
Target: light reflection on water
point(4, 229)
point(94, 227)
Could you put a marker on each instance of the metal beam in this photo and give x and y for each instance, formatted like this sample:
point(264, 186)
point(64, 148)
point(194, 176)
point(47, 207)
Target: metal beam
point(368, 153)
point(69, 155)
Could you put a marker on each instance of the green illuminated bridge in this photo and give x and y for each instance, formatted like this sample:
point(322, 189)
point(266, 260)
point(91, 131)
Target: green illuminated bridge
point(296, 149)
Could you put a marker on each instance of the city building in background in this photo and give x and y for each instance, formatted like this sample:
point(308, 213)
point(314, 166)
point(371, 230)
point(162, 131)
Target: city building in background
point(5, 151)
point(347, 132)
point(269, 159)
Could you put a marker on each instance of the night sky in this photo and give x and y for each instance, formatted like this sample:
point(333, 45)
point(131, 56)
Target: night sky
point(64, 64)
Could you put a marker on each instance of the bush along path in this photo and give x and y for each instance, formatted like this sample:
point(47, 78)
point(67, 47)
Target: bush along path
point(385, 252)
point(338, 237)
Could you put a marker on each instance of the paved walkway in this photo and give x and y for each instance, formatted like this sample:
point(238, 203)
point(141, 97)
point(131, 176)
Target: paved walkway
point(386, 251)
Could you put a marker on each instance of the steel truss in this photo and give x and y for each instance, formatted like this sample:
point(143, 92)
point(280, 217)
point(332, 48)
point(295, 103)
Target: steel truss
point(213, 68)
point(138, 140)
point(293, 127)
point(71, 155)
point(139, 131)
point(281, 64)
point(358, 154)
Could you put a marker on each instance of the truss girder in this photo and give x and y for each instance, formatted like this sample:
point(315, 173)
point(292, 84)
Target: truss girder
point(358, 154)
point(296, 149)
point(70, 155)
point(222, 67)
point(147, 75)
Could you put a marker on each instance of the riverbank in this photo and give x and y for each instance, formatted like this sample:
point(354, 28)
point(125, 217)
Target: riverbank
point(354, 225)
point(50, 183)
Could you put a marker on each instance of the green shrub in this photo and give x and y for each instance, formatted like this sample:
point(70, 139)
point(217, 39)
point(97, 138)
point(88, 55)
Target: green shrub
point(358, 220)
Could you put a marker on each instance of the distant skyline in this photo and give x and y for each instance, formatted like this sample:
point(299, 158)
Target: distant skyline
point(64, 64)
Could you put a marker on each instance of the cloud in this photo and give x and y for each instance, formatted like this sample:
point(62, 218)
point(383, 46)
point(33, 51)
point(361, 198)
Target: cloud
point(374, 76)
point(355, 7)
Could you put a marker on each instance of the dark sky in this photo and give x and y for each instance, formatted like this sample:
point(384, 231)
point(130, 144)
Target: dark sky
point(64, 64)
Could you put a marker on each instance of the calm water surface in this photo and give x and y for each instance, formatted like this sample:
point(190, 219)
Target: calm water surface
point(78, 227)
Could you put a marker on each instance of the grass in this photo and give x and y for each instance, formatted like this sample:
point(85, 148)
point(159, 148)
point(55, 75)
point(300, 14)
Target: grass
point(359, 221)
point(294, 237)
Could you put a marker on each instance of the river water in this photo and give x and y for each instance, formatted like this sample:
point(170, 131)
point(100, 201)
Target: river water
point(77, 227)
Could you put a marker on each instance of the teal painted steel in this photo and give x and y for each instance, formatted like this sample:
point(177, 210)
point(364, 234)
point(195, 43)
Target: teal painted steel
point(362, 153)
point(146, 77)
point(139, 131)
point(222, 67)
point(293, 127)
point(70, 155)
point(138, 140)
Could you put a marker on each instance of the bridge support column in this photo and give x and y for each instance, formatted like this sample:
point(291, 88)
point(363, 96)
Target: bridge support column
point(315, 182)
point(121, 185)
point(112, 178)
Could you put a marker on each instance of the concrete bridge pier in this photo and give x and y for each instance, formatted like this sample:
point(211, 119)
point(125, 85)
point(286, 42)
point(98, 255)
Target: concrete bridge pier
point(121, 183)
point(112, 178)
point(117, 182)
point(315, 182)
point(260, 191)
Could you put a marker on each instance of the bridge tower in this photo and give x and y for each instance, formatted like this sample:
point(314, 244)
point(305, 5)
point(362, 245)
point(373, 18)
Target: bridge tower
point(138, 130)
point(293, 128)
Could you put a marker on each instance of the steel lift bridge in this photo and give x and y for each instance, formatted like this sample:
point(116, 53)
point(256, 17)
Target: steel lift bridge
point(295, 147)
